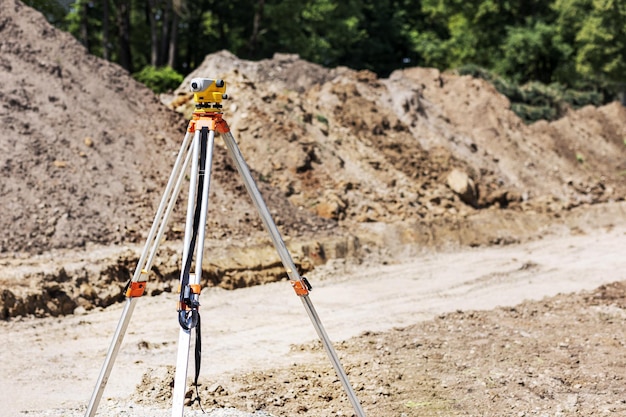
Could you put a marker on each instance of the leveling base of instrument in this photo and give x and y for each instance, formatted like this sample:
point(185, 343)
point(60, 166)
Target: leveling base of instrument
point(197, 151)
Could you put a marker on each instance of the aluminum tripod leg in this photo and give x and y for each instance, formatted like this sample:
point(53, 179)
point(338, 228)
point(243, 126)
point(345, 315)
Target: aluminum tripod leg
point(289, 265)
point(184, 339)
point(143, 266)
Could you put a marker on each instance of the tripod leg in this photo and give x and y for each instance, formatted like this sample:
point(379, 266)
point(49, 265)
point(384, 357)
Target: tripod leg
point(184, 339)
point(143, 265)
point(299, 283)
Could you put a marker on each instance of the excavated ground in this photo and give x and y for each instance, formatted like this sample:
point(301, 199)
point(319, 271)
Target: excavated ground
point(353, 167)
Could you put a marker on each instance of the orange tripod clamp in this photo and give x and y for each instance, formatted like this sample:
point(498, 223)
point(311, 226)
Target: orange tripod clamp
point(213, 121)
point(301, 287)
point(135, 289)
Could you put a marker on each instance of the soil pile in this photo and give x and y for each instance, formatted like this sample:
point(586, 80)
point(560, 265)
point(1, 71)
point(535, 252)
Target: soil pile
point(360, 165)
point(422, 157)
point(419, 145)
point(83, 146)
point(86, 151)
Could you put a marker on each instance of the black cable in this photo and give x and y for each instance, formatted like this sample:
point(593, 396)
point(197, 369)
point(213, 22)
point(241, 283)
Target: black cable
point(190, 318)
point(198, 358)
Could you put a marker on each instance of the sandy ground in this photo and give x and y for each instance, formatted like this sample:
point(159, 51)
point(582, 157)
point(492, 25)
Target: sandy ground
point(347, 149)
point(53, 363)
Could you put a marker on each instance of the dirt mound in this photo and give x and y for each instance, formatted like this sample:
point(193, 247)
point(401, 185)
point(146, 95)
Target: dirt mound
point(82, 142)
point(420, 145)
point(86, 151)
point(577, 159)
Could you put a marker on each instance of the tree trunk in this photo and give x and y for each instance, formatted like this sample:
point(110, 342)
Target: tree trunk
point(84, 23)
point(154, 39)
point(106, 47)
point(123, 25)
point(256, 28)
point(166, 22)
point(171, 55)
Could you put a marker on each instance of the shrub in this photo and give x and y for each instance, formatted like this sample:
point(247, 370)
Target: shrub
point(159, 80)
point(475, 71)
point(532, 114)
point(536, 101)
point(584, 98)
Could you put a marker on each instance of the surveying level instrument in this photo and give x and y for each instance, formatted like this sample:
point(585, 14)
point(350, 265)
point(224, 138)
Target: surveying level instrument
point(197, 150)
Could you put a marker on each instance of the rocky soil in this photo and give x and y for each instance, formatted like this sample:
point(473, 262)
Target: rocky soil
point(354, 168)
point(563, 356)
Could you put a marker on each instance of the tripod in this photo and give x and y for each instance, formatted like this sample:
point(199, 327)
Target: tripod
point(197, 149)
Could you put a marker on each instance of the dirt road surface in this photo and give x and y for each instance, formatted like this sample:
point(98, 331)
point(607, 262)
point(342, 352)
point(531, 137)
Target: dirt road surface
point(53, 363)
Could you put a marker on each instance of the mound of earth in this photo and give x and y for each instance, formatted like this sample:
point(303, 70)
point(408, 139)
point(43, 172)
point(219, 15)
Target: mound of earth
point(419, 145)
point(86, 151)
point(343, 158)
point(353, 165)
point(73, 170)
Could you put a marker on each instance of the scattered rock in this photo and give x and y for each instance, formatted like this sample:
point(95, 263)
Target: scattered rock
point(463, 186)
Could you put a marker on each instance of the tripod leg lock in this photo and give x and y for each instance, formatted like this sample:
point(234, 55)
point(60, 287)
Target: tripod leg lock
point(135, 289)
point(193, 288)
point(188, 305)
point(189, 299)
point(301, 287)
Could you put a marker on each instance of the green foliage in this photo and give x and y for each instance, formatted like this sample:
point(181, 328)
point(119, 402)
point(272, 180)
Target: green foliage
point(531, 114)
point(602, 40)
point(580, 158)
point(83, 15)
point(533, 52)
point(159, 80)
point(535, 101)
point(577, 44)
point(53, 10)
point(578, 98)
point(321, 118)
point(475, 30)
point(321, 31)
point(452, 41)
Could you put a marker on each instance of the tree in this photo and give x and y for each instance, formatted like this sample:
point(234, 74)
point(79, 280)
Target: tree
point(52, 9)
point(172, 45)
point(570, 17)
point(318, 30)
point(602, 43)
point(162, 17)
point(473, 31)
point(256, 28)
point(122, 17)
point(81, 23)
point(106, 40)
point(533, 52)
point(89, 21)
point(387, 30)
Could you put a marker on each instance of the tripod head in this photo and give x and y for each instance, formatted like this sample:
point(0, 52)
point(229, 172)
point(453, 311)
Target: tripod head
point(208, 93)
